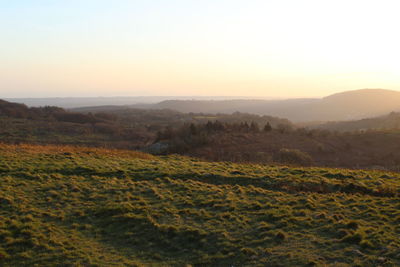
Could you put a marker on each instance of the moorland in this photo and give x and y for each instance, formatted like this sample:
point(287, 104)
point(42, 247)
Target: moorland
point(77, 206)
point(130, 186)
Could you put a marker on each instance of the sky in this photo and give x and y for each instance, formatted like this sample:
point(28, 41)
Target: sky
point(263, 48)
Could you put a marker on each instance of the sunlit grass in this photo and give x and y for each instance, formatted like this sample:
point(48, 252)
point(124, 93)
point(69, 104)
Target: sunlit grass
point(63, 205)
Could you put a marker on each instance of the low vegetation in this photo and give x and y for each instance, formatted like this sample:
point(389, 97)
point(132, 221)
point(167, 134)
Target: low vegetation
point(70, 206)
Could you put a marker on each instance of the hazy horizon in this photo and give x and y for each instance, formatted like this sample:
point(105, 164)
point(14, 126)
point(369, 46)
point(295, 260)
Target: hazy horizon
point(189, 97)
point(274, 49)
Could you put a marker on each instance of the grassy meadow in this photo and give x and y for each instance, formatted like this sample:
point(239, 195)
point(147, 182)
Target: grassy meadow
point(69, 206)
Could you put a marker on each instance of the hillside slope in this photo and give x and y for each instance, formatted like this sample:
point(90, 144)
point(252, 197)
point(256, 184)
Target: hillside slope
point(357, 104)
point(65, 206)
point(116, 127)
point(348, 105)
point(390, 121)
point(301, 147)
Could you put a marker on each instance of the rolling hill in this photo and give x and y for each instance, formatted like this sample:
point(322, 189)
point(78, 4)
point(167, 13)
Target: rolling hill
point(78, 102)
point(69, 206)
point(356, 104)
point(387, 122)
point(349, 105)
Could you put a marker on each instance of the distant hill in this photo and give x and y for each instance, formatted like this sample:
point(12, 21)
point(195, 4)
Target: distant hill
point(356, 104)
point(77, 102)
point(390, 121)
point(349, 105)
point(47, 113)
point(279, 108)
point(172, 117)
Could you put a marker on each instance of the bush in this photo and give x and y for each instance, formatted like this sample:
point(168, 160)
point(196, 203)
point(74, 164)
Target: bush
point(293, 156)
point(106, 128)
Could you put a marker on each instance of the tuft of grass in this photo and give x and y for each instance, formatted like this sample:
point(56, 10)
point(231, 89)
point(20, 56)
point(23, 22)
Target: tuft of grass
point(354, 238)
point(281, 236)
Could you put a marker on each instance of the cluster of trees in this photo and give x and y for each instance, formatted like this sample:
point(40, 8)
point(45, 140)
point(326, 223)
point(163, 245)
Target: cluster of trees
point(190, 135)
point(210, 127)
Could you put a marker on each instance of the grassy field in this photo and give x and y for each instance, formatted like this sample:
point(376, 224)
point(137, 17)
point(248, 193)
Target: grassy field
point(66, 206)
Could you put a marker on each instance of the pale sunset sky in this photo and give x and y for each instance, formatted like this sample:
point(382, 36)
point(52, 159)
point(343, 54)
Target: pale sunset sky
point(280, 48)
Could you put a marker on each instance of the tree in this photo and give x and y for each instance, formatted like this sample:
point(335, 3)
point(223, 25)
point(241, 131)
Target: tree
point(193, 129)
point(244, 126)
point(254, 127)
point(267, 127)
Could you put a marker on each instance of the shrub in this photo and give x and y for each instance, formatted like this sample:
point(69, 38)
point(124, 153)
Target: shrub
point(267, 127)
point(293, 156)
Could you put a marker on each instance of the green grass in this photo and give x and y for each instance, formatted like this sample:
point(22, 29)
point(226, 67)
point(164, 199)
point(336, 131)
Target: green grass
point(65, 206)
